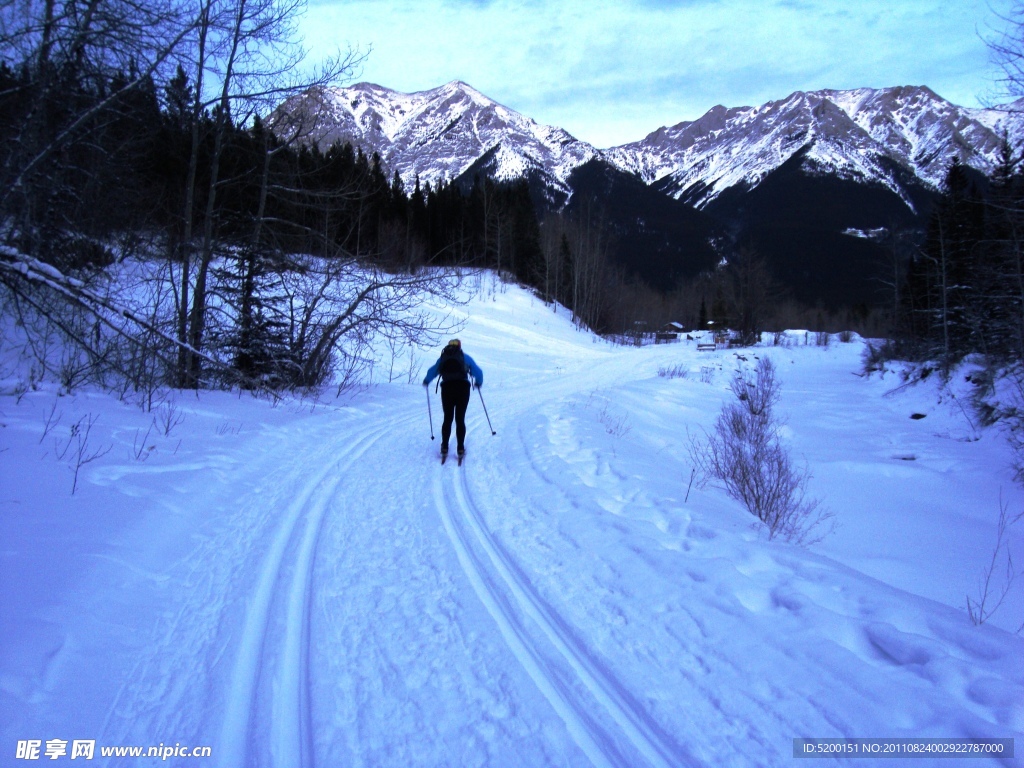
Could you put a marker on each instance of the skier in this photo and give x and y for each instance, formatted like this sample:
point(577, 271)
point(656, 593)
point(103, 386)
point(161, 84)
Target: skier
point(455, 368)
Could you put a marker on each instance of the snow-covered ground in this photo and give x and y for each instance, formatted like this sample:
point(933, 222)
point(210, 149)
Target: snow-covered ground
point(305, 584)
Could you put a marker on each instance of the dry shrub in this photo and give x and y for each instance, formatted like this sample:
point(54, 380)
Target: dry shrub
point(745, 454)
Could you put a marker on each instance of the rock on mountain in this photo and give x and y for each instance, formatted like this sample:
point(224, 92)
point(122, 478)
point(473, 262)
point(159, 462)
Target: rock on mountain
point(437, 134)
point(889, 136)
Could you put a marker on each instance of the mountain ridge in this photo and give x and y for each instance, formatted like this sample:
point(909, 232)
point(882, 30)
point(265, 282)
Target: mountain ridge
point(439, 133)
point(856, 134)
point(850, 134)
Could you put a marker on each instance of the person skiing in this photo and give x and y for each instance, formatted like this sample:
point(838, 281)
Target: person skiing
point(455, 368)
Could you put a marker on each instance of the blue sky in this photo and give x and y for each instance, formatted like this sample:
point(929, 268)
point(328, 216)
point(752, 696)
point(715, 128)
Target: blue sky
point(611, 71)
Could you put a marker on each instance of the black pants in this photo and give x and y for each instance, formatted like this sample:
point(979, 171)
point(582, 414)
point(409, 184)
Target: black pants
point(454, 400)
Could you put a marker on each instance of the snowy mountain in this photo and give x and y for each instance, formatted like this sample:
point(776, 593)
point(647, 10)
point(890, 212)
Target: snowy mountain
point(792, 178)
point(438, 134)
point(890, 136)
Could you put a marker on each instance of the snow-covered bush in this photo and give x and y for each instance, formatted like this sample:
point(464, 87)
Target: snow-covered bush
point(310, 323)
point(60, 327)
point(874, 356)
point(745, 454)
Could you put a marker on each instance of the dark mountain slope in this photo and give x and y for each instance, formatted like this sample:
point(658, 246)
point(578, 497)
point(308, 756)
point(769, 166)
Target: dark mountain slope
point(803, 223)
point(655, 237)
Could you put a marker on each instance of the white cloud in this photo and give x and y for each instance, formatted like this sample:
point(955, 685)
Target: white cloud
point(610, 72)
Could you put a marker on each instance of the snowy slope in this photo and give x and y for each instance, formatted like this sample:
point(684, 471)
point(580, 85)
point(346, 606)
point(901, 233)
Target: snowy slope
point(300, 584)
point(438, 134)
point(857, 134)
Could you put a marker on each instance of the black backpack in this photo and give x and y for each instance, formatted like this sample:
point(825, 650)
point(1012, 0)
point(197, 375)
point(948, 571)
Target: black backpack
point(453, 365)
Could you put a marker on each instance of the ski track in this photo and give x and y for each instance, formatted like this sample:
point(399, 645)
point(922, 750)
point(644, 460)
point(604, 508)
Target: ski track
point(289, 732)
point(508, 594)
point(586, 733)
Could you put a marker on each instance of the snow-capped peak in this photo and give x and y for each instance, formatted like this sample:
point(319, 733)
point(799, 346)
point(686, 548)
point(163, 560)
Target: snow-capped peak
point(861, 134)
point(439, 133)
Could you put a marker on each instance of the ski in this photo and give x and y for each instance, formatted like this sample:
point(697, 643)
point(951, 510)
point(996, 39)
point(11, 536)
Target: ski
point(461, 458)
point(444, 457)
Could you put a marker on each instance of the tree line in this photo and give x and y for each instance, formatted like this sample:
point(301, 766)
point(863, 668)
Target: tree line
point(961, 291)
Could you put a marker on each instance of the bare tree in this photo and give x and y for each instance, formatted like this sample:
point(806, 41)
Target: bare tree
point(589, 267)
point(245, 56)
point(893, 268)
point(81, 63)
point(77, 448)
point(555, 252)
point(1007, 49)
point(334, 303)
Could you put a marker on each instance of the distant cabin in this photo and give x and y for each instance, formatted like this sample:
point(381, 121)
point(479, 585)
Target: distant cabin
point(669, 333)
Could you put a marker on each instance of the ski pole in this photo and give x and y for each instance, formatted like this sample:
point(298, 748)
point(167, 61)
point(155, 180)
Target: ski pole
point(430, 414)
point(485, 410)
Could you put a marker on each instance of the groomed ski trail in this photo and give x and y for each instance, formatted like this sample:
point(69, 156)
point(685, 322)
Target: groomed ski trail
point(507, 594)
point(290, 740)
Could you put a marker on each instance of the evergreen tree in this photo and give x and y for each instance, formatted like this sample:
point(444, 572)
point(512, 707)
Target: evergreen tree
point(1001, 282)
point(942, 281)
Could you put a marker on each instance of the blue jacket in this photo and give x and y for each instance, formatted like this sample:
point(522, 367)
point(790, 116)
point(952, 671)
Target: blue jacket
point(474, 370)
